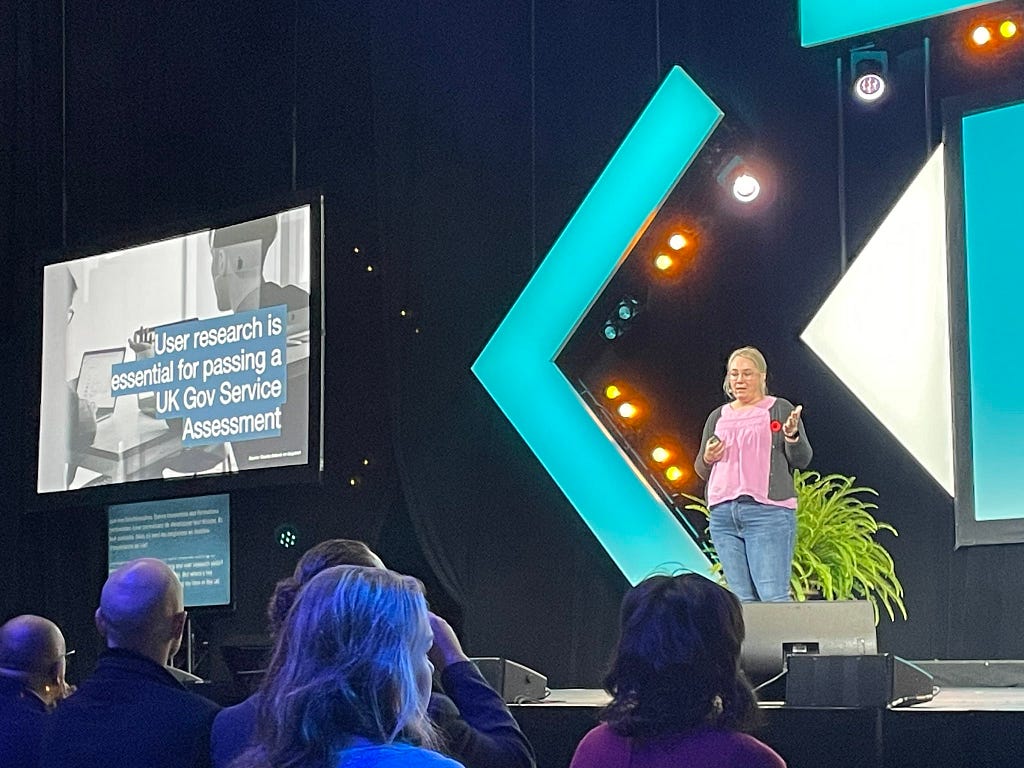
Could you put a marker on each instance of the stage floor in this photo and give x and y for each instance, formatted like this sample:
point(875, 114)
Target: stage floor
point(960, 727)
point(946, 700)
point(973, 700)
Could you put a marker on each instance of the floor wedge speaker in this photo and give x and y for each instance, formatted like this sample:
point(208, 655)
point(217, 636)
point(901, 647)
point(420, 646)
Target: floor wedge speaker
point(880, 680)
point(247, 662)
point(514, 682)
point(778, 630)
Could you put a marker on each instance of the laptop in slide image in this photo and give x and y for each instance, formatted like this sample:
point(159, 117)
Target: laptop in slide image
point(94, 379)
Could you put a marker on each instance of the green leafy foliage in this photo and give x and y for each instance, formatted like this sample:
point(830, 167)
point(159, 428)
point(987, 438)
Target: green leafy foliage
point(837, 556)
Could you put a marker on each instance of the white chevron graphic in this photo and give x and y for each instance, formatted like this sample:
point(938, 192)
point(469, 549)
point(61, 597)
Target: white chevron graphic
point(884, 329)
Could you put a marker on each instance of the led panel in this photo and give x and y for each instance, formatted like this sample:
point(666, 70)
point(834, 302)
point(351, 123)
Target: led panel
point(884, 329)
point(822, 21)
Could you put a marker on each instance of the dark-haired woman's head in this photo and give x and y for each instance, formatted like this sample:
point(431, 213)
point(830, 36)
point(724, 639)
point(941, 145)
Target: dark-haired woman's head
point(350, 661)
point(676, 666)
point(326, 554)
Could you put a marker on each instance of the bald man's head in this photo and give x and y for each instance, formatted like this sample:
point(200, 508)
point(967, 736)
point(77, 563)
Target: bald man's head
point(32, 649)
point(142, 609)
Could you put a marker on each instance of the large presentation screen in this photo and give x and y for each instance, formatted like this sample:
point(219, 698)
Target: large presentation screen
point(193, 536)
point(181, 357)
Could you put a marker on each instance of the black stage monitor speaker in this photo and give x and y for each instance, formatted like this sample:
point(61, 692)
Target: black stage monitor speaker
point(825, 627)
point(247, 661)
point(881, 680)
point(516, 684)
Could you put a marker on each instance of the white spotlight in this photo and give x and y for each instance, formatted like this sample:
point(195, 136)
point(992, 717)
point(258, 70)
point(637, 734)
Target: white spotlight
point(869, 70)
point(869, 87)
point(746, 187)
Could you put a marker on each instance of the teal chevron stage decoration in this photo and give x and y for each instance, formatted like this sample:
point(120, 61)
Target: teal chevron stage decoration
point(517, 366)
point(824, 21)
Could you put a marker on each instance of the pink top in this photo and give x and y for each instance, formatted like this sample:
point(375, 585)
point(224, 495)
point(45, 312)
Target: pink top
point(743, 470)
point(704, 748)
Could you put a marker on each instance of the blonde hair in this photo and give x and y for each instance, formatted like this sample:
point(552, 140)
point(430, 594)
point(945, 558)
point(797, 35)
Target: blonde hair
point(753, 355)
point(346, 664)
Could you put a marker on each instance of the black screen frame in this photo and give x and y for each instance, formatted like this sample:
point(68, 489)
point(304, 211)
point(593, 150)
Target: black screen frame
point(308, 473)
point(969, 531)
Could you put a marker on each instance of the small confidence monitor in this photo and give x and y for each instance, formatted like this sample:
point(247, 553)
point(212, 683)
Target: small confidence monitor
point(193, 536)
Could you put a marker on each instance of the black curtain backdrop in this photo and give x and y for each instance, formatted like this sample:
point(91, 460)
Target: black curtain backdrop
point(8, 341)
point(453, 142)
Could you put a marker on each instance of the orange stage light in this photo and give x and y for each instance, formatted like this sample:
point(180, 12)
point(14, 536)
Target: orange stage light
point(993, 36)
point(678, 474)
point(664, 262)
point(680, 243)
point(628, 411)
point(981, 35)
point(660, 454)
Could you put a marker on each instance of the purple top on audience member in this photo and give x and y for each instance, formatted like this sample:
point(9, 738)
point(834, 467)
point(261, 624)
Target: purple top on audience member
point(703, 748)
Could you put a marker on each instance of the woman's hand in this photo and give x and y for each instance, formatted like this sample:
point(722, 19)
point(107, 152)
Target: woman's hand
point(446, 648)
point(791, 429)
point(714, 450)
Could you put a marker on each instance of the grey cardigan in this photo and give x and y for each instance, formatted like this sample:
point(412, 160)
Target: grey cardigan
point(785, 455)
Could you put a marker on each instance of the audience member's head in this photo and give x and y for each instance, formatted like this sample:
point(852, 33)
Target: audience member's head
point(142, 609)
point(326, 554)
point(676, 666)
point(32, 650)
point(350, 662)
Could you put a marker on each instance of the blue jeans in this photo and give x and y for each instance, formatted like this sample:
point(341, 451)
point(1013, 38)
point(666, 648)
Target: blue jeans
point(755, 544)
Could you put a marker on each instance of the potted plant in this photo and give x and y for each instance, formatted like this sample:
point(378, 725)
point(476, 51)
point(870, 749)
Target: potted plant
point(837, 556)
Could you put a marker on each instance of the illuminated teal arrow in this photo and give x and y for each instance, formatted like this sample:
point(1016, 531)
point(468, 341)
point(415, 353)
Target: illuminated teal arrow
point(517, 367)
point(822, 21)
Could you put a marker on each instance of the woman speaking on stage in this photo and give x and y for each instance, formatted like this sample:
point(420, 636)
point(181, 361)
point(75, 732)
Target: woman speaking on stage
point(749, 449)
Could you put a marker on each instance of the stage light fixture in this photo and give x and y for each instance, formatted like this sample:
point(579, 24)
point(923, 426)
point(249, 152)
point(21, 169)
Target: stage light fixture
point(740, 179)
point(628, 410)
point(618, 323)
point(612, 392)
point(869, 72)
point(674, 474)
point(664, 262)
point(993, 35)
point(676, 251)
point(981, 35)
point(286, 535)
point(628, 308)
point(660, 454)
point(746, 188)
